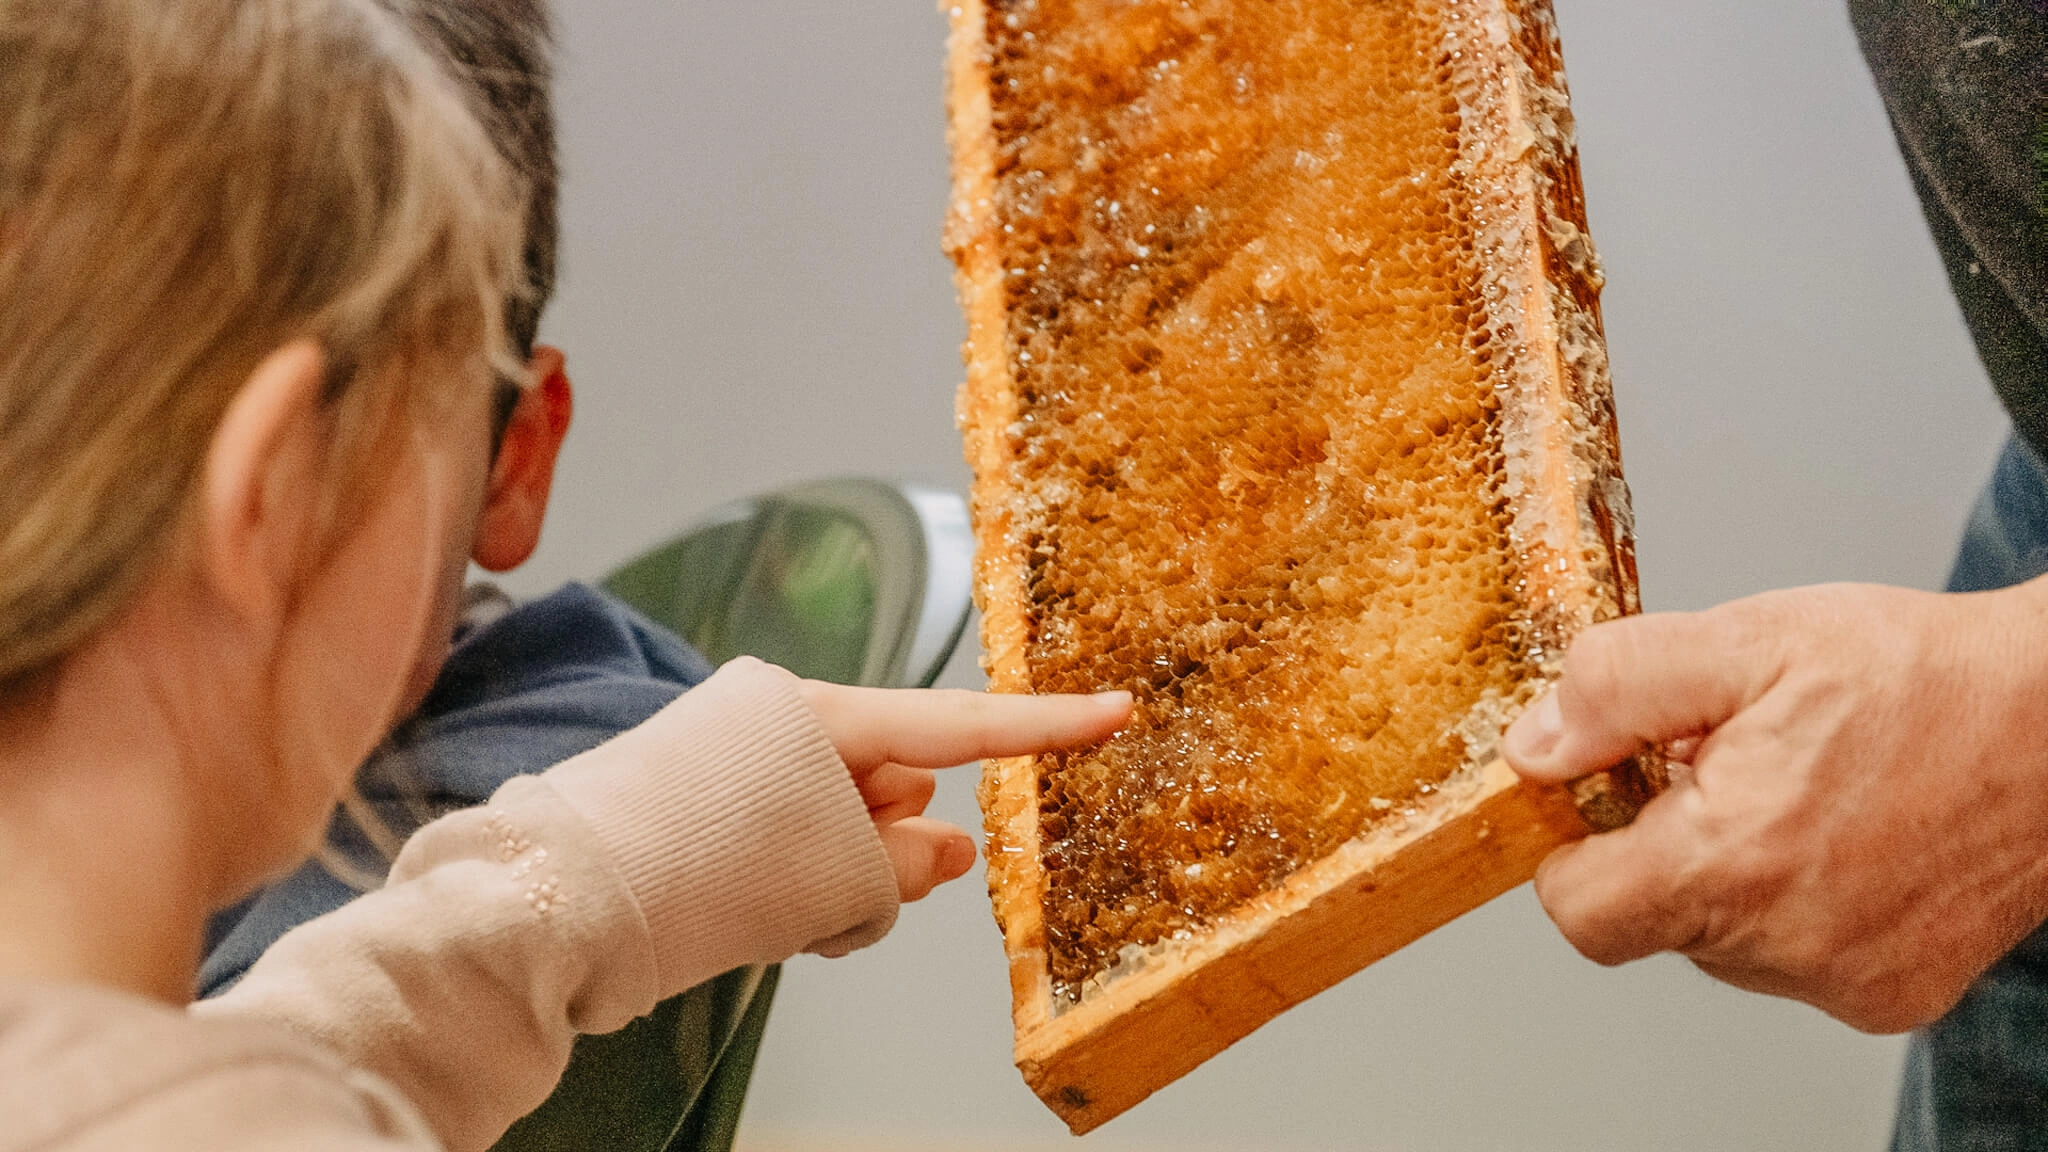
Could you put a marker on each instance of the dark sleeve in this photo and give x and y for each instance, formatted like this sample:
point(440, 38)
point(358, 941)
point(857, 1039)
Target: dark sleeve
point(1966, 88)
point(547, 680)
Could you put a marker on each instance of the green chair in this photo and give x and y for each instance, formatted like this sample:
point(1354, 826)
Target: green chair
point(851, 580)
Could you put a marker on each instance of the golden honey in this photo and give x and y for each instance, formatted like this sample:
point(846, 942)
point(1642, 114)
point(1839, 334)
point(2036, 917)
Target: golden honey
point(1257, 470)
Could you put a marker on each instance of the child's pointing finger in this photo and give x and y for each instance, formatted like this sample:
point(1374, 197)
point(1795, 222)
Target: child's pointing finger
point(939, 728)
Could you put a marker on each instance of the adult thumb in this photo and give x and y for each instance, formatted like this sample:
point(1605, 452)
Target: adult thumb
point(1632, 683)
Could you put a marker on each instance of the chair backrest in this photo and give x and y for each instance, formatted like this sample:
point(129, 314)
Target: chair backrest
point(852, 580)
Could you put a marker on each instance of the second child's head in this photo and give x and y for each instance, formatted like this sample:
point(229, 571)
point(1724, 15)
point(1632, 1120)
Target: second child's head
point(498, 53)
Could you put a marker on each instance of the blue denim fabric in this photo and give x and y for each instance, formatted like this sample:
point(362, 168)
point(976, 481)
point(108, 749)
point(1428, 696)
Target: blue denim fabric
point(548, 679)
point(1977, 1080)
point(2006, 542)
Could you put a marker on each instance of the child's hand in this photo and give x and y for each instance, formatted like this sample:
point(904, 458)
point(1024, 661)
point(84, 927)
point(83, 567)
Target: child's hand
point(890, 739)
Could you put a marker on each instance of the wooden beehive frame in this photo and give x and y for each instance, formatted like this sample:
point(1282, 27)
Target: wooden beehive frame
point(1482, 833)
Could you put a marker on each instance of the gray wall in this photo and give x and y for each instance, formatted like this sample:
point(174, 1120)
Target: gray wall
point(753, 293)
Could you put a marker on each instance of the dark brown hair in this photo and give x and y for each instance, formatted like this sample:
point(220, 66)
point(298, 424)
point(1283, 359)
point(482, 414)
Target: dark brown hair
point(500, 52)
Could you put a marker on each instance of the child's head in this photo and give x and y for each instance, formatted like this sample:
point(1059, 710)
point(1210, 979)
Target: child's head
point(254, 263)
point(497, 52)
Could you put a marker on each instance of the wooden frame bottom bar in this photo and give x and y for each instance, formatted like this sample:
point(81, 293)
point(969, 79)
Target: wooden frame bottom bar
point(1480, 837)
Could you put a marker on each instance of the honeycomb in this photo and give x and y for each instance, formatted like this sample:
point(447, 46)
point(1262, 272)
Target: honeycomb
point(1257, 470)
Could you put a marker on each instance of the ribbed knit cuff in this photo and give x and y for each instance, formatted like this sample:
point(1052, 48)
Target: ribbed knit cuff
point(737, 828)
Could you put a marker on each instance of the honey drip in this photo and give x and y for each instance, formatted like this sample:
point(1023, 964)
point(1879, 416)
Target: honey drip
point(1259, 473)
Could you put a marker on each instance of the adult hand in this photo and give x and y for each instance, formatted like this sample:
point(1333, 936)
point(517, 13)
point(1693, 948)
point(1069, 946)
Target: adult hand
point(1864, 822)
point(892, 738)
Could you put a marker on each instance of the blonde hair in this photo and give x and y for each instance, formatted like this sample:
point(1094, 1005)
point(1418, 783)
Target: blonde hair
point(186, 186)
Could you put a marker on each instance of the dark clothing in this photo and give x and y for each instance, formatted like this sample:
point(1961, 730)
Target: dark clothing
point(1977, 1080)
point(538, 684)
point(524, 689)
point(1966, 85)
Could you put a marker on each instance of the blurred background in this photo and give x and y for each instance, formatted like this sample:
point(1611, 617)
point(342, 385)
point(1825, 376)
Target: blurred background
point(753, 293)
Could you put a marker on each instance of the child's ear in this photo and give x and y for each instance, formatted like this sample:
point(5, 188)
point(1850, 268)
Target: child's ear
point(524, 470)
point(261, 488)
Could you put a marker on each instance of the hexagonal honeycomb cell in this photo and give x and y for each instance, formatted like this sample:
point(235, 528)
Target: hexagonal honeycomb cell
point(1256, 471)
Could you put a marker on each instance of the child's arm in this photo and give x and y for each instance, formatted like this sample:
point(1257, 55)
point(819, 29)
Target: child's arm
point(727, 830)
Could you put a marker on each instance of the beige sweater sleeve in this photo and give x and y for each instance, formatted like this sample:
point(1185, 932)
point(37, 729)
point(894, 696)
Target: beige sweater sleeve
point(724, 831)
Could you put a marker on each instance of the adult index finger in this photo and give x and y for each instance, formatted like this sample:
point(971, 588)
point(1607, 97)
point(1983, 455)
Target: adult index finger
point(1631, 893)
point(935, 728)
point(1645, 680)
